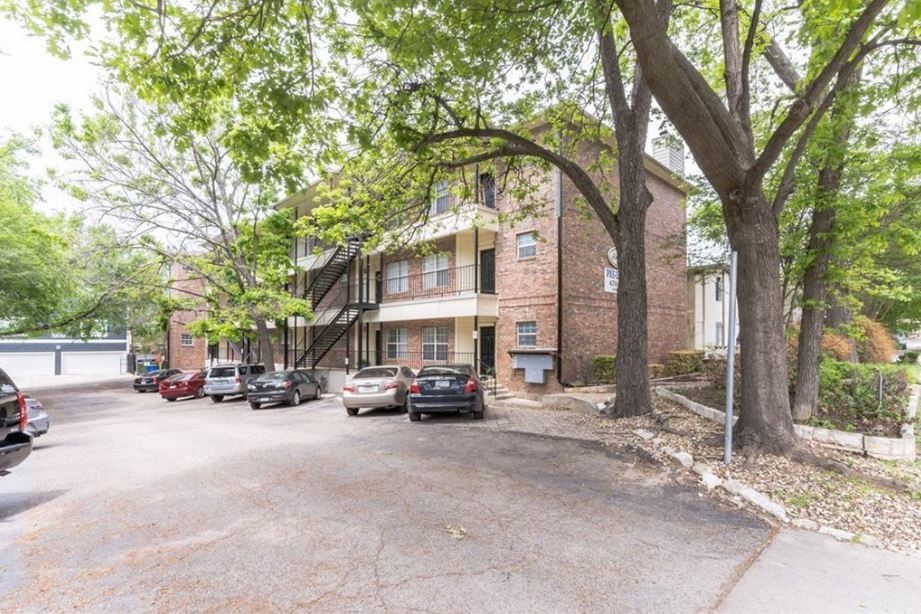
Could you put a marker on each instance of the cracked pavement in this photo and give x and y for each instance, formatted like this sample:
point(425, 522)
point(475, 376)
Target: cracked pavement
point(135, 504)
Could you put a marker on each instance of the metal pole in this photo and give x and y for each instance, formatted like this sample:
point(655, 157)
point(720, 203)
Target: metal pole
point(730, 358)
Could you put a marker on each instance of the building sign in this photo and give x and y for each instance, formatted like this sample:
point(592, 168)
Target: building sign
point(611, 277)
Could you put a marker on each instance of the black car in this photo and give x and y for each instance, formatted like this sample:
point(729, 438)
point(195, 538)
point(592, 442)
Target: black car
point(150, 382)
point(282, 387)
point(16, 443)
point(446, 388)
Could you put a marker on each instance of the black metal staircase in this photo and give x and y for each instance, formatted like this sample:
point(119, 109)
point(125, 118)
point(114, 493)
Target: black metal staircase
point(350, 307)
point(337, 264)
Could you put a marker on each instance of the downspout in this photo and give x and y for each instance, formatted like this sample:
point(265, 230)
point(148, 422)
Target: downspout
point(559, 275)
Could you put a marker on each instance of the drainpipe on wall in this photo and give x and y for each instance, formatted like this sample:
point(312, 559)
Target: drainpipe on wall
point(559, 274)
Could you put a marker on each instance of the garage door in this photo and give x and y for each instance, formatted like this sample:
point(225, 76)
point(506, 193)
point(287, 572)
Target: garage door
point(91, 363)
point(21, 365)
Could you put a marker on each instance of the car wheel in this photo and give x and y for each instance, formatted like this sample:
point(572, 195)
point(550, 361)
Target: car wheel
point(414, 416)
point(200, 393)
point(217, 398)
point(171, 400)
point(316, 394)
point(296, 399)
point(404, 408)
point(255, 405)
point(352, 411)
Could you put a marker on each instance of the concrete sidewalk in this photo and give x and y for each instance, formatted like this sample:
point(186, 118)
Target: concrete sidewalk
point(801, 571)
point(45, 383)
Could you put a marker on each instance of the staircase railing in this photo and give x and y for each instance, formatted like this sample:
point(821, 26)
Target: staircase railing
point(489, 373)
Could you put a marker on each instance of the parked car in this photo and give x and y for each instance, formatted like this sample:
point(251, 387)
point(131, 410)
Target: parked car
point(373, 387)
point(446, 388)
point(282, 387)
point(16, 443)
point(230, 380)
point(39, 422)
point(150, 382)
point(183, 385)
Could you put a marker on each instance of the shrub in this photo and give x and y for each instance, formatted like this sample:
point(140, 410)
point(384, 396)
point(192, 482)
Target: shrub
point(684, 361)
point(851, 391)
point(603, 368)
point(875, 343)
point(836, 346)
point(909, 357)
point(656, 370)
point(714, 370)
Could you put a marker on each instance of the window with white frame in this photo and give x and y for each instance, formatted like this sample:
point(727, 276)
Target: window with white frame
point(398, 277)
point(435, 272)
point(185, 339)
point(441, 198)
point(435, 343)
point(488, 185)
point(527, 334)
point(396, 343)
point(527, 244)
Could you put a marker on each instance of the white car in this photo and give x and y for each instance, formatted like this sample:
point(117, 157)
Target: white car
point(372, 387)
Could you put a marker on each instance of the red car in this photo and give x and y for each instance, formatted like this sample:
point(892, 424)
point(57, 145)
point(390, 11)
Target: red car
point(183, 385)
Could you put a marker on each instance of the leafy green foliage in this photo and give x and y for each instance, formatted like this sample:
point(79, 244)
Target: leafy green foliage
point(849, 396)
point(684, 361)
point(603, 368)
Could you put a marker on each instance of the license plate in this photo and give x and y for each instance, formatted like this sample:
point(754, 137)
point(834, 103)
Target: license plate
point(367, 389)
point(172, 386)
point(442, 384)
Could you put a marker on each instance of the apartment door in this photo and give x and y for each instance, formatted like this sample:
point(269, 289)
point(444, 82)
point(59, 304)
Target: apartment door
point(488, 271)
point(488, 349)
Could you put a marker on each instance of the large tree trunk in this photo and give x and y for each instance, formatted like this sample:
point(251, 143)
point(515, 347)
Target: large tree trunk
point(631, 366)
point(812, 324)
point(266, 351)
point(765, 424)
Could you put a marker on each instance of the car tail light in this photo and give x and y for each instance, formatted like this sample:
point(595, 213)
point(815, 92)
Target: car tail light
point(391, 385)
point(23, 412)
point(470, 386)
point(348, 388)
point(414, 387)
point(237, 379)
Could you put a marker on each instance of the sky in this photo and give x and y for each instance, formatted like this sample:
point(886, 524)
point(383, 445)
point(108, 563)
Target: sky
point(34, 81)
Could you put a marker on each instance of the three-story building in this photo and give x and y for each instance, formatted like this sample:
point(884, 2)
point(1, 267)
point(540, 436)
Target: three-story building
point(531, 301)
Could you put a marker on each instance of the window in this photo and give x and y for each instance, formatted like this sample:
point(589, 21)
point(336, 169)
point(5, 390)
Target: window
point(527, 245)
point(185, 339)
point(441, 198)
point(435, 272)
point(397, 277)
point(435, 343)
point(527, 334)
point(396, 343)
point(718, 341)
point(488, 185)
point(719, 288)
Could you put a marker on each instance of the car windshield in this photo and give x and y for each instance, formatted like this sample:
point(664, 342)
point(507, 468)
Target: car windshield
point(272, 375)
point(376, 372)
point(223, 372)
point(445, 370)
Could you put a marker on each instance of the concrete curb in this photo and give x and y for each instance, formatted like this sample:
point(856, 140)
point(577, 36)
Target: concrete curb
point(743, 493)
point(886, 448)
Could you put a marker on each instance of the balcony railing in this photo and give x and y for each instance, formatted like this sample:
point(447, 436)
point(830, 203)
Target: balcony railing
point(438, 283)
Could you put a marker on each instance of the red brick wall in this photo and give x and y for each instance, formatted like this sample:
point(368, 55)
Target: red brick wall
point(414, 341)
point(590, 313)
point(527, 288)
point(186, 286)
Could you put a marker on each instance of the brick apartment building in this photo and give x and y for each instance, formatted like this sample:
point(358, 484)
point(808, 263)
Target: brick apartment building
point(533, 301)
point(183, 350)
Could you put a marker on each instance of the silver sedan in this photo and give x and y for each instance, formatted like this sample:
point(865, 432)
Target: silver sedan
point(373, 387)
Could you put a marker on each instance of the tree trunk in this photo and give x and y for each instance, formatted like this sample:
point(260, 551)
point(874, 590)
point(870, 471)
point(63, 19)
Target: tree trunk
point(266, 351)
point(812, 325)
point(765, 424)
point(632, 365)
point(820, 243)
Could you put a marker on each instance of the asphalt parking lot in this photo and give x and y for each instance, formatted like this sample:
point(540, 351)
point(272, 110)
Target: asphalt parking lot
point(135, 504)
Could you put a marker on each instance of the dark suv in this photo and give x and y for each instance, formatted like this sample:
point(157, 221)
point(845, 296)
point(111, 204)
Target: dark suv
point(16, 444)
